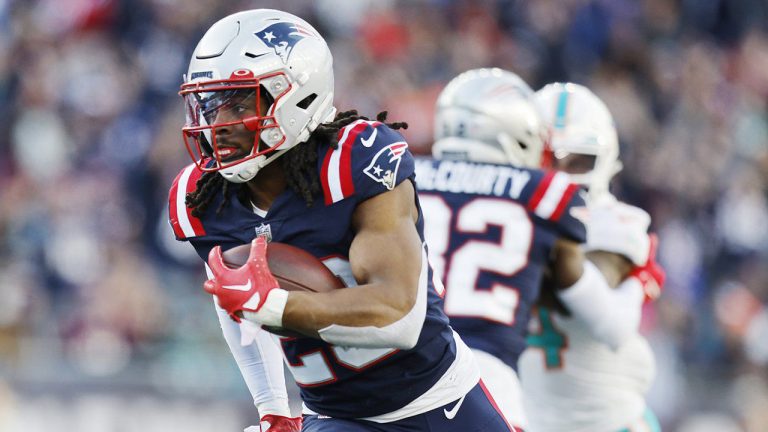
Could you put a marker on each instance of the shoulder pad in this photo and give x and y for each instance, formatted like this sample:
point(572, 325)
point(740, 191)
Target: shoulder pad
point(550, 196)
point(184, 225)
point(619, 228)
point(370, 158)
point(553, 193)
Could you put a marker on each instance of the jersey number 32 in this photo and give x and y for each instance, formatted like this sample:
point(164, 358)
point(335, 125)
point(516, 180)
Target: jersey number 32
point(461, 267)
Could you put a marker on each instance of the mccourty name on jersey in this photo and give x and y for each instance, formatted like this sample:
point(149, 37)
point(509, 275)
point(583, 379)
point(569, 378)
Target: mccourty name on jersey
point(467, 177)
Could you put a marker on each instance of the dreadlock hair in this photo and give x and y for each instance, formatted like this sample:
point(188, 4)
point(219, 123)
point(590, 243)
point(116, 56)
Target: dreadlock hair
point(299, 165)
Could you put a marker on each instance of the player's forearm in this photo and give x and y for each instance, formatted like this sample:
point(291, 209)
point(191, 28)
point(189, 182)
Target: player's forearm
point(261, 365)
point(388, 307)
point(387, 313)
point(613, 266)
point(359, 306)
point(612, 315)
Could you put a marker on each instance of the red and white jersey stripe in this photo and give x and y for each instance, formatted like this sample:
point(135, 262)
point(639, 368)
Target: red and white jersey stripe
point(184, 224)
point(336, 175)
point(552, 196)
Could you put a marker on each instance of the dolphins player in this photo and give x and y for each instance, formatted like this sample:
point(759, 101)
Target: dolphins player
point(579, 373)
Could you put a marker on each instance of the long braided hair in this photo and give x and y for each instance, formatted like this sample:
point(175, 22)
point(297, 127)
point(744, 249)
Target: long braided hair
point(299, 165)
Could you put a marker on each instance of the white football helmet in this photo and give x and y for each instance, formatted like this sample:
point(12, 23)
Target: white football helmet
point(250, 55)
point(488, 115)
point(580, 124)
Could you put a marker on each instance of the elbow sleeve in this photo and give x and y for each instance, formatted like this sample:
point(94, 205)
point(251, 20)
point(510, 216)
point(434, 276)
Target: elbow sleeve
point(612, 315)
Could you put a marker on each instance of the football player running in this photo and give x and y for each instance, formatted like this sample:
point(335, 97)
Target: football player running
point(579, 373)
point(496, 223)
point(273, 160)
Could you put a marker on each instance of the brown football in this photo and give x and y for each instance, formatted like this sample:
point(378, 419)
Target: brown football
point(295, 270)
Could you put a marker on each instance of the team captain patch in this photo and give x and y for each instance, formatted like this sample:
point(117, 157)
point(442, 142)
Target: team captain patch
point(383, 167)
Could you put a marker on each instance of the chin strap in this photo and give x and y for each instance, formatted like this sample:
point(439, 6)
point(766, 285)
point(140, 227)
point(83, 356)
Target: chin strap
point(247, 174)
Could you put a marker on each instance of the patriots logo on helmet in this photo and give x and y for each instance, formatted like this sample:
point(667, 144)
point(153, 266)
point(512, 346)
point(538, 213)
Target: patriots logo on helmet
point(282, 37)
point(383, 167)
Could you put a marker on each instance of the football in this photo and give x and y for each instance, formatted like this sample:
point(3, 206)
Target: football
point(295, 270)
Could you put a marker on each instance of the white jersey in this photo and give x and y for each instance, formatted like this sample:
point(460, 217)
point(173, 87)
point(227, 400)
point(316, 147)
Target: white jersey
point(571, 381)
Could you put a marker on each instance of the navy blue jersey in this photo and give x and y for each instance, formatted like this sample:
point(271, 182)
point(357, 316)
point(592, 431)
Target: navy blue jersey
point(474, 412)
point(341, 382)
point(490, 230)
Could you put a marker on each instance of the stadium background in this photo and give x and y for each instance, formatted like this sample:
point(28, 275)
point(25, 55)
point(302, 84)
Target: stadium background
point(103, 322)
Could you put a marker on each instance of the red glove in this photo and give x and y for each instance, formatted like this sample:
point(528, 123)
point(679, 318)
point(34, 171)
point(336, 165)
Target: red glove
point(275, 423)
point(242, 289)
point(651, 275)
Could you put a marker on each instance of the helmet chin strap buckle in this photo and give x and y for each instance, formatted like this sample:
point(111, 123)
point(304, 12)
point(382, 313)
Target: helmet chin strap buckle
point(244, 171)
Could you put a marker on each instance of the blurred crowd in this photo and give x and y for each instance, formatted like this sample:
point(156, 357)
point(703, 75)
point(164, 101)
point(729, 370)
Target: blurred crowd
point(102, 315)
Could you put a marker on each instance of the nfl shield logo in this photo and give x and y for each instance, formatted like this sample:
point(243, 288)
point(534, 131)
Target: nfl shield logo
point(264, 230)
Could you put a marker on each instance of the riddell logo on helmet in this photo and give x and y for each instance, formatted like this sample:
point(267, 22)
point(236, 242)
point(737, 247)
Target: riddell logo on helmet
point(206, 74)
point(282, 37)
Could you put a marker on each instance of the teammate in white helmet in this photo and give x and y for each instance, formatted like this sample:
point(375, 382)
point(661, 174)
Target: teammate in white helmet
point(496, 224)
point(574, 378)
